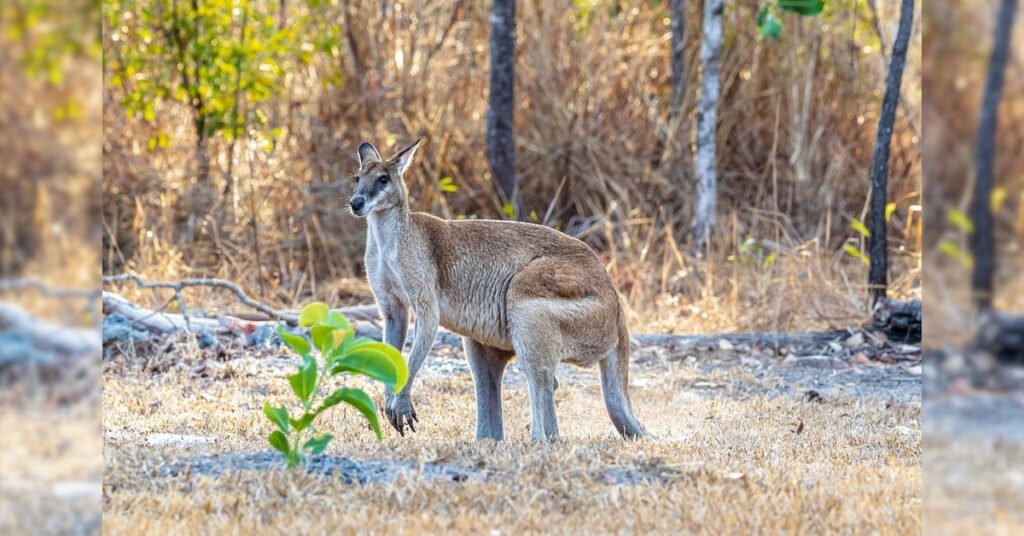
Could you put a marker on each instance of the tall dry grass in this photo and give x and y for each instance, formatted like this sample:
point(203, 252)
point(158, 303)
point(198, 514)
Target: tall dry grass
point(597, 157)
point(954, 75)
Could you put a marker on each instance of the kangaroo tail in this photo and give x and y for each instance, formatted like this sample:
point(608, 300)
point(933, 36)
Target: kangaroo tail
point(615, 383)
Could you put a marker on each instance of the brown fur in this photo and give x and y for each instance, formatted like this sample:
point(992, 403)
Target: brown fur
point(506, 287)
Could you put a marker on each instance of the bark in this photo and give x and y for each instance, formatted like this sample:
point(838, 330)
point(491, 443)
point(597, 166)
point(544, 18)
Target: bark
point(983, 242)
point(51, 343)
point(678, 61)
point(1002, 335)
point(878, 271)
point(500, 140)
point(899, 320)
point(710, 57)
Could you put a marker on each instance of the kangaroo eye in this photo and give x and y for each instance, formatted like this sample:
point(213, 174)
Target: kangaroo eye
point(383, 179)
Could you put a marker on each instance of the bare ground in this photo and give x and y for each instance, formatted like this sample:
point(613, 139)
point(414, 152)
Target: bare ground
point(974, 444)
point(747, 442)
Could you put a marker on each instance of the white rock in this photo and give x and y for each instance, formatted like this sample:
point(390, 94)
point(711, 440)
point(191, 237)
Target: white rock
point(178, 440)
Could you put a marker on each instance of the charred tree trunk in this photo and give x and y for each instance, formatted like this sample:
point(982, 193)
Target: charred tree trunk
point(878, 248)
point(983, 243)
point(501, 155)
point(710, 58)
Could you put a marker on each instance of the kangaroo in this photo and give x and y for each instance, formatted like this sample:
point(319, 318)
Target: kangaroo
point(508, 288)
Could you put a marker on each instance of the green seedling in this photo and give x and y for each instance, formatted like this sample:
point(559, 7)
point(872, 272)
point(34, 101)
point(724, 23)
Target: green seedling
point(332, 349)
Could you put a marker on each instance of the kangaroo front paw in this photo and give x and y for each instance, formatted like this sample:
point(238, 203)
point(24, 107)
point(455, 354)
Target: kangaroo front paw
point(400, 412)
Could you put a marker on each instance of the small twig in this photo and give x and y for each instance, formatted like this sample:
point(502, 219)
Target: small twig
point(177, 287)
point(32, 283)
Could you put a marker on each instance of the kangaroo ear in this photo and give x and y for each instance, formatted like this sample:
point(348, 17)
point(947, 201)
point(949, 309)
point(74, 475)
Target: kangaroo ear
point(404, 158)
point(367, 154)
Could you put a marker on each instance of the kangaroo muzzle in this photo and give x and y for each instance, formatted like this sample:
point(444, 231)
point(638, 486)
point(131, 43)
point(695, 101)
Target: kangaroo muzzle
point(358, 202)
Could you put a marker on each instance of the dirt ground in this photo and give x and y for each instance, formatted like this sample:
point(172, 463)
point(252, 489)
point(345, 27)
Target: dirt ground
point(747, 442)
point(973, 445)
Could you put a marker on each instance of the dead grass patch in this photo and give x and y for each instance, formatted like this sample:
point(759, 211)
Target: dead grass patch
point(722, 465)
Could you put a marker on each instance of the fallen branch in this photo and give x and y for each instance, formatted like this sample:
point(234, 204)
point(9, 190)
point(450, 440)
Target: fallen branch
point(32, 283)
point(764, 340)
point(177, 287)
point(365, 316)
point(1002, 334)
point(43, 342)
point(899, 320)
point(162, 323)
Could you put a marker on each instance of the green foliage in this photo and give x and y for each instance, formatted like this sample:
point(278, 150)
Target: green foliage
point(220, 58)
point(45, 37)
point(859, 226)
point(754, 252)
point(769, 17)
point(960, 220)
point(334, 350)
point(861, 229)
point(948, 248)
point(856, 253)
point(447, 185)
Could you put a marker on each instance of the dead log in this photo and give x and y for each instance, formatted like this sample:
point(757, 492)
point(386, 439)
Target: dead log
point(42, 341)
point(1002, 335)
point(159, 322)
point(899, 320)
point(764, 340)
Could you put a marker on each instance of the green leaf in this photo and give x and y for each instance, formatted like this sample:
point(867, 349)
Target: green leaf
point(295, 342)
point(317, 445)
point(889, 209)
point(803, 7)
point(279, 441)
point(293, 457)
point(997, 199)
point(949, 249)
point(447, 185)
point(377, 360)
point(357, 399)
point(336, 320)
point(859, 226)
point(960, 220)
point(768, 25)
point(323, 338)
point(278, 416)
point(853, 251)
point(770, 259)
point(303, 382)
point(313, 313)
point(509, 210)
point(303, 422)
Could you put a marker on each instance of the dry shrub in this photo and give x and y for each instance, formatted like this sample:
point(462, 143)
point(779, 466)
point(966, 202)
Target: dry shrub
point(954, 75)
point(597, 154)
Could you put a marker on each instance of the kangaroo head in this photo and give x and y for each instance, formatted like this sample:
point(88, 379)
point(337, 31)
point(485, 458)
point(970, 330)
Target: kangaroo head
point(379, 184)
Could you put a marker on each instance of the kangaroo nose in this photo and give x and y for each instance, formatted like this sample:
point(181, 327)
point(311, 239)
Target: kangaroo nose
point(358, 202)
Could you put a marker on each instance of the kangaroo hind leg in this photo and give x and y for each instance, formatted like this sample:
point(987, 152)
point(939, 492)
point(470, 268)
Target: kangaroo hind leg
point(488, 367)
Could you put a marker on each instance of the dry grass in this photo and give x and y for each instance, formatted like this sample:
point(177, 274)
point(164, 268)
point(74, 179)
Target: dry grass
point(973, 485)
point(52, 465)
point(732, 463)
point(796, 134)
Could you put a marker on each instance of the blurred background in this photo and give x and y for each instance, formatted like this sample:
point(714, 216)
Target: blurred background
point(974, 334)
point(230, 133)
point(50, 229)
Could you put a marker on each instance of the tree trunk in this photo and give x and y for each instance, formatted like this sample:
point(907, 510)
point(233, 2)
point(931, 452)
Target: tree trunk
point(710, 58)
point(678, 29)
point(983, 242)
point(878, 271)
point(500, 141)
